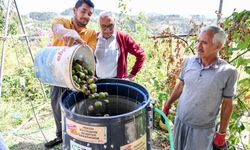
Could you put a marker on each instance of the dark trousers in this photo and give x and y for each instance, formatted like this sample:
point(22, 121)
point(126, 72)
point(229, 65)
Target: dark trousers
point(56, 95)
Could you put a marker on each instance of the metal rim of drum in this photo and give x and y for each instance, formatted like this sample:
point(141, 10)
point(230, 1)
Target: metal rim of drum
point(111, 117)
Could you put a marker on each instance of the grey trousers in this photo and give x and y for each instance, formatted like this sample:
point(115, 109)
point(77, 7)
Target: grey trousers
point(56, 94)
point(186, 138)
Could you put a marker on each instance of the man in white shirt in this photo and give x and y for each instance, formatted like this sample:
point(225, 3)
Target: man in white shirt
point(112, 49)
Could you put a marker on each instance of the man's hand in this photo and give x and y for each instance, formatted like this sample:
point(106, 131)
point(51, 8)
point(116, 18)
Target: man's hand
point(71, 36)
point(219, 141)
point(130, 77)
point(165, 110)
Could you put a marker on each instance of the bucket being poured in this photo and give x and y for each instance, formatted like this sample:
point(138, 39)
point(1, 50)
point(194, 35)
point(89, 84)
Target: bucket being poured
point(126, 127)
point(53, 65)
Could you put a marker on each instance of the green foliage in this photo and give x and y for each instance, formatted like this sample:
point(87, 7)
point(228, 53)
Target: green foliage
point(12, 29)
point(236, 51)
point(123, 18)
point(237, 27)
point(1, 16)
point(13, 90)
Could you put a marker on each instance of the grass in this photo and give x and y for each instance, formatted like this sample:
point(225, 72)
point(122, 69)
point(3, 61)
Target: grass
point(19, 127)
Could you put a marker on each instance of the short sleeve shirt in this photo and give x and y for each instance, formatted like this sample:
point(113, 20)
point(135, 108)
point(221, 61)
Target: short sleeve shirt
point(203, 91)
point(87, 34)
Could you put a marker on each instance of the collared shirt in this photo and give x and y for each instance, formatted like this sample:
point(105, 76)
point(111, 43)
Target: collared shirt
point(107, 54)
point(87, 34)
point(204, 88)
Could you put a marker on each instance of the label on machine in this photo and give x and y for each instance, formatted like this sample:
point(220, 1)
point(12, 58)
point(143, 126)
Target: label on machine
point(139, 144)
point(76, 146)
point(91, 134)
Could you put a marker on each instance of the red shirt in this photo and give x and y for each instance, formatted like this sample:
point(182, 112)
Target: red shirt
point(128, 45)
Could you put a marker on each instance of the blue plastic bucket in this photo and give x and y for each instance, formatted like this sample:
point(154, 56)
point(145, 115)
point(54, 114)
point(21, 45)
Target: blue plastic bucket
point(124, 131)
point(53, 65)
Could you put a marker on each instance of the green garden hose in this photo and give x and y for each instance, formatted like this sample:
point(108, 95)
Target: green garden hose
point(169, 127)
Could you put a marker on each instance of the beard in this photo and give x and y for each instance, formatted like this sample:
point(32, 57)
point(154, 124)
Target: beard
point(82, 23)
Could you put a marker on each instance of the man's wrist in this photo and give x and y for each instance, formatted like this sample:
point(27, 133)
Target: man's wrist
point(167, 104)
point(222, 132)
point(131, 75)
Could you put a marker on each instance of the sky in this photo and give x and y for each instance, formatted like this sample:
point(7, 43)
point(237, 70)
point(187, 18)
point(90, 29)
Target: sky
point(181, 7)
